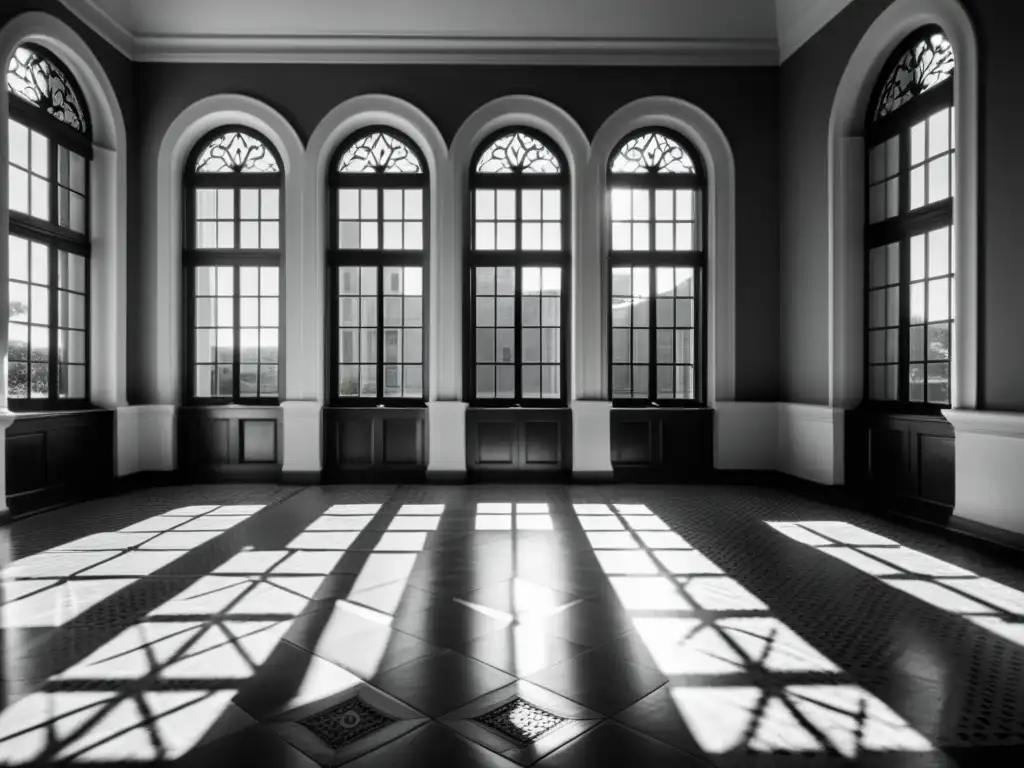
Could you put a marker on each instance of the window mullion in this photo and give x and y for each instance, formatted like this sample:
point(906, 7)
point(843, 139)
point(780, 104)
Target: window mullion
point(903, 335)
point(652, 332)
point(517, 309)
point(52, 393)
point(380, 329)
point(236, 388)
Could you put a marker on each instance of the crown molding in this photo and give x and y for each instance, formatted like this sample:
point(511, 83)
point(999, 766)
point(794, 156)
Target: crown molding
point(104, 25)
point(796, 31)
point(372, 49)
point(414, 49)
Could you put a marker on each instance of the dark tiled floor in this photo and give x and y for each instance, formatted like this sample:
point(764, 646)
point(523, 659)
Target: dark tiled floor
point(611, 626)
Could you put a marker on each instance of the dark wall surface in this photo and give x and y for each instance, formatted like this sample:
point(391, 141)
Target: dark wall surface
point(808, 84)
point(449, 94)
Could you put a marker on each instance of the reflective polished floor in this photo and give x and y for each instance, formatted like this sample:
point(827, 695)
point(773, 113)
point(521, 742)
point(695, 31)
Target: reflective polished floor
point(500, 626)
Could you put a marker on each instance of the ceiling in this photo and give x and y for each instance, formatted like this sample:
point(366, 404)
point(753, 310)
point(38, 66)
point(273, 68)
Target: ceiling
point(543, 31)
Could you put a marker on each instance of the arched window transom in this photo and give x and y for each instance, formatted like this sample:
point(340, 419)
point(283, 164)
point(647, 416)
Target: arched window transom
point(922, 65)
point(518, 152)
point(380, 152)
point(237, 152)
point(652, 153)
point(40, 80)
point(658, 262)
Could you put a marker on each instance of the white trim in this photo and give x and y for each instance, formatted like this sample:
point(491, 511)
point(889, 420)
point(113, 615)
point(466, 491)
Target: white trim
point(792, 438)
point(104, 25)
point(411, 49)
point(161, 231)
point(446, 437)
point(591, 437)
point(146, 438)
point(300, 440)
point(556, 123)
point(710, 140)
point(989, 458)
point(346, 118)
point(846, 204)
point(793, 30)
point(997, 423)
point(746, 435)
point(810, 442)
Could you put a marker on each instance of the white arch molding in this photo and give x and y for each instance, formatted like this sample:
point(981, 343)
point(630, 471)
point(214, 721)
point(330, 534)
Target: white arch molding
point(162, 317)
point(555, 123)
point(108, 222)
point(305, 331)
point(846, 167)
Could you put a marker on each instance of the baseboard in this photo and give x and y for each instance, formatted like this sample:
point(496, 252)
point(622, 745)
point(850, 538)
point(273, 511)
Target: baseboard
point(232, 473)
point(149, 479)
point(300, 477)
point(591, 477)
point(989, 534)
point(447, 476)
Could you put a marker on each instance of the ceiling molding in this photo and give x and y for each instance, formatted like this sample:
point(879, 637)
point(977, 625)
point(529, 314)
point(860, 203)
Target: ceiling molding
point(797, 21)
point(103, 24)
point(413, 49)
point(456, 50)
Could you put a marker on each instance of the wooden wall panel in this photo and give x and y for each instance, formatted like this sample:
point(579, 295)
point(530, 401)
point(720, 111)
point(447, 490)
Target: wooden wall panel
point(229, 442)
point(662, 444)
point(59, 458)
point(903, 462)
point(374, 444)
point(528, 441)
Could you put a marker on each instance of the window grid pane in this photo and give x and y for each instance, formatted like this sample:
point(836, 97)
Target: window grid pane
point(214, 330)
point(674, 316)
point(884, 180)
point(258, 332)
point(631, 328)
point(931, 159)
point(883, 321)
point(29, 345)
point(359, 219)
point(931, 317)
point(403, 332)
point(495, 291)
point(540, 345)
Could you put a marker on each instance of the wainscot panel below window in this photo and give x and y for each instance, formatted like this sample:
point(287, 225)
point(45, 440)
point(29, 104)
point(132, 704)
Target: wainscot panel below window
point(374, 444)
point(230, 442)
point(527, 441)
point(662, 444)
point(59, 458)
point(902, 462)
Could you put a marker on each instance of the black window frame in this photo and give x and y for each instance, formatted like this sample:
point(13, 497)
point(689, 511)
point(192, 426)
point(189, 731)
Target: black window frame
point(906, 224)
point(518, 259)
point(56, 238)
point(653, 258)
point(378, 258)
point(193, 257)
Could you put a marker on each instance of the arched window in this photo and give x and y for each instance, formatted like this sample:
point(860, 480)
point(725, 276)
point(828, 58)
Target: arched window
point(232, 268)
point(909, 236)
point(49, 152)
point(658, 258)
point(518, 261)
point(376, 263)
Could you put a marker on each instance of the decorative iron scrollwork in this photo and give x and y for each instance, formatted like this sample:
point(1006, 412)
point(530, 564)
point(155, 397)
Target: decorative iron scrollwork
point(652, 153)
point(923, 65)
point(379, 153)
point(237, 152)
point(38, 79)
point(518, 153)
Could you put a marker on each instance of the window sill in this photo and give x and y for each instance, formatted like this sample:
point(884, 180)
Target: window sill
point(54, 412)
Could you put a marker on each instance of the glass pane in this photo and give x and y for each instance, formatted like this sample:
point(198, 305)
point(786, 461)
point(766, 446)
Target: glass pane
point(938, 179)
point(938, 383)
point(348, 380)
point(917, 189)
point(916, 343)
point(531, 381)
point(938, 132)
point(485, 381)
point(531, 345)
point(917, 143)
point(917, 257)
point(938, 341)
point(917, 303)
point(938, 252)
point(506, 383)
point(917, 383)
